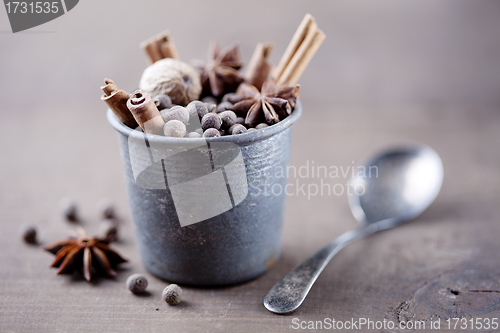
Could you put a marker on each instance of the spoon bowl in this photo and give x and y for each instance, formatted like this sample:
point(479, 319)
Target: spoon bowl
point(392, 188)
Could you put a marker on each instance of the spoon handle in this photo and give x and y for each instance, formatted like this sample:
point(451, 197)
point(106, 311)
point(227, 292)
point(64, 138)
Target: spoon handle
point(289, 293)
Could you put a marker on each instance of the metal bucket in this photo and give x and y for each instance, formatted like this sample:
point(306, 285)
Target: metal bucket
point(208, 211)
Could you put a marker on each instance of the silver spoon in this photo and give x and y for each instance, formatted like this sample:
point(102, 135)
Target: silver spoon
point(392, 188)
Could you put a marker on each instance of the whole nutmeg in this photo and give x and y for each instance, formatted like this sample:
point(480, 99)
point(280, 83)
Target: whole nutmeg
point(137, 283)
point(174, 128)
point(175, 113)
point(28, 233)
point(211, 133)
point(68, 209)
point(174, 78)
point(228, 118)
point(172, 294)
point(211, 120)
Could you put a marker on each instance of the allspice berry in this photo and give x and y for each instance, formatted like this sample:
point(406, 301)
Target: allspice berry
point(172, 294)
point(197, 108)
point(174, 128)
point(137, 283)
point(162, 102)
point(237, 129)
point(28, 233)
point(211, 133)
point(228, 118)
point(68, 209)
point(194, 135)
point(106, 209)
point(108, 228)
point(210, 120)
point(174, 78)
point(262, 125)
point(175, 113)
point(223, 107)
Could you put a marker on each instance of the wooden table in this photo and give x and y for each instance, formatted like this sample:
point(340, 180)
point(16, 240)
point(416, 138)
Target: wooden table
point(387, 73)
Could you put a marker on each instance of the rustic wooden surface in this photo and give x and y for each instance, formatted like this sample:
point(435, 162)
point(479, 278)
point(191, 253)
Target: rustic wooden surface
point(388, 72)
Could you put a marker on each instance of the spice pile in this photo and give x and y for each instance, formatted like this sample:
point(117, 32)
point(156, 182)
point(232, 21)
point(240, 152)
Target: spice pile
point(213, 98)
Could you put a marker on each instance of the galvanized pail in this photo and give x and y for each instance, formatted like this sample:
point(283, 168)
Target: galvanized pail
point(207, 211)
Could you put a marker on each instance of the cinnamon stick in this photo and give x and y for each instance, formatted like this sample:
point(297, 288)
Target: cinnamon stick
point(299, 52)
point(116, 100)
point(145, 112)
point(259, 67)
point(160, 47)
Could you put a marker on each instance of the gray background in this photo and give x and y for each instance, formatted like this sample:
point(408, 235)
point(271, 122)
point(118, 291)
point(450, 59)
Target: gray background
point(388, 72)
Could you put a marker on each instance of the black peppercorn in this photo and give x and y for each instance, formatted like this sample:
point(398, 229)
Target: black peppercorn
point(228, 118)
point(162, 102)
point(211, 133)
point(210, 120)
point(137, 283)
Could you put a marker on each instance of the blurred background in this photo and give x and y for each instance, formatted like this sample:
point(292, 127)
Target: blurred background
point(389, 71)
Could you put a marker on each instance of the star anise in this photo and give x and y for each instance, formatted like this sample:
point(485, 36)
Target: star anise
point(271, 104)
point(92, 255)
point(220, 74)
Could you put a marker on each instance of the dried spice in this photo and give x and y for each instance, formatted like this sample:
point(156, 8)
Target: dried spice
point(219, 75)
point(89, 255)
point(272, 104)
point(171, 77)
